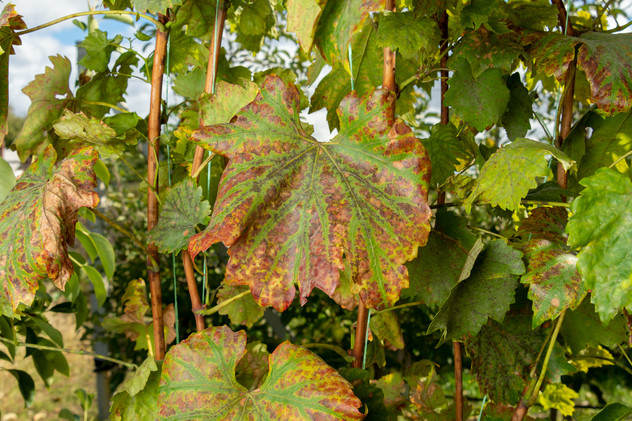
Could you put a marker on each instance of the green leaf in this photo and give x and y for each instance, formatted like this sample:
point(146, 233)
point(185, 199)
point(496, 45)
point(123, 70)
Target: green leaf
point(88, 131)
point(339, 22)
point(302, 19)
point(511, 171)
point(444, 261)
point(592, 357)
point(408, 34)
point(228, 99)
point(290, 207)
point(448, 151)
point(486, 294)
point(25, 384)
point(7, 178)
point(255, 22)
point(604, 239)
point(49, 94)
point(516, 119)
point(501, 51)
point(386, 327)
point(98, 285)
point(243, 311)
point(477, 12)
point(531, 14)
point(50, 331)
point(155, 6)
point(480, 101)
point(106, 253)
point(85, 238)
point(136, 400)
point(37, 222)
point(503, 355)
point(605, 58)
point(198, 382)
point(582, 327)
point(182, 211)
point(560, 397)
point(196, 18)
point(613, 412)
point(98, 50)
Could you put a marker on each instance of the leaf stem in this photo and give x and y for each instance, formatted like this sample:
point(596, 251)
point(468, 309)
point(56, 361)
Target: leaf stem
point(223, 304)
point(415, 303)
point(71, 351)
point(153, 20)
point(484, 231)
point(620, 159)
point(536, 390)
point(334, 348)
point(197, 173)
point(106, 104)
point(618, 28)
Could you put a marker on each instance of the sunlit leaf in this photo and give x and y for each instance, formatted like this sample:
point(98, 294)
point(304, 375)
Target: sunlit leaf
point(136, 399)
point(302, 18)
point(592, 357)
point(408, 34)
point(198, 382)
point(511, 171)
point(81, 129)
point(7, 178)
point(155, 6)
point(182, 211)
point(98, 49)
point(49, 94)
point(289, 206)
point(560, 397)
point(486, 294)
point(37, 222)
point(604, 240)
point(244, 310)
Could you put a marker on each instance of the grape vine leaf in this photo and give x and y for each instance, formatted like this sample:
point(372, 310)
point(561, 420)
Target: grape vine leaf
point(517, 118)
point(486, 294)
point(605, 58)
point(10, 21)
point(387, 328)
point(408, 33)
point(155, 6)
point(531, 14)
point(560, 397)
point(480, 101)
point(290, 207)
point(338, 23)
point(182, 211)
point(79, 128)
point(503, 355)
point(196, 18)
point(448, 151)
point(554, 283)
point(243, 311)
point(302, 19)
point(510, 172)
point(198, 382)
point(37, 222)
point(50, 94)
point(450, 243)
point(613, 412)
point(582, 327)
point(604, 239)
point(136, 399)
point(98, 50)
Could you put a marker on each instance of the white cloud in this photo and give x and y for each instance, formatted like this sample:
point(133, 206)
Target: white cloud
point(37, 12)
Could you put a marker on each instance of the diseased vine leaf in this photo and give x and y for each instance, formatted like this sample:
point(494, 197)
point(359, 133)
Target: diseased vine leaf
point(290, 207)
point(339, 22)
point(10, 21)
point(137, 398)
point(407, 33)
point(482, 100)
point(198, 382)
point(604, 239)
point(37, 222)
point(450, 243)
point(554, 283)
point(302, 19)
point(243, 311)
point(500, 51)
point(49, 93)
point(605, 58)
point(503, 355)
point(510, 172)
point(155, 6)
point(387, 328)
point(486, 294)
point(182, 211)
point(582, 327)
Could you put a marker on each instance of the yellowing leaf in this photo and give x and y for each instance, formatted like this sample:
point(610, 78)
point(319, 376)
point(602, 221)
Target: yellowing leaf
point(37, 222)
point(198, 383)
point(560, 397)
point(289, 207)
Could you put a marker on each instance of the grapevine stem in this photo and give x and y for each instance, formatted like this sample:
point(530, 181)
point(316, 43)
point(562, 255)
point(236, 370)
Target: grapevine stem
point(223, 304)
point(159, 25)
point(70, 351)
point(415, 303)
